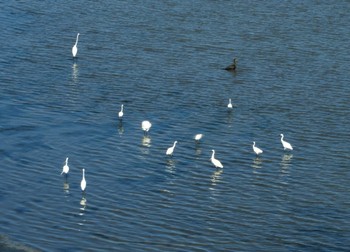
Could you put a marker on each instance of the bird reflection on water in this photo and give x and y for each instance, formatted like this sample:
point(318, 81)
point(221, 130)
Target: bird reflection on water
point(286, 163)
point(257, 162)
point(75, 72)
point(66, 187)
point(120, 127)
point(170, 166)
point(216, 177)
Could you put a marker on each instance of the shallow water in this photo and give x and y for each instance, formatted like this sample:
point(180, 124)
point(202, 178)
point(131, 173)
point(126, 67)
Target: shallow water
point(164, 62)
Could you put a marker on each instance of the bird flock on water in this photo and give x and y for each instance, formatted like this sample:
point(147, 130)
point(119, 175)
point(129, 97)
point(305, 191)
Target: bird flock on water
point(146, 126)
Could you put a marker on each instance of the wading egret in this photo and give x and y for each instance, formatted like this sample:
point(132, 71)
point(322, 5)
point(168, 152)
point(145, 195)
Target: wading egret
point(232, 67)
point(121, 113)
point(286, 145)
point(65, 168)
point(229, 105)
point(215, 162)
point(146, 125)
point(83, 182)
point(170, 150)
point(75, 47)
point(256, 149)
point(198, 137)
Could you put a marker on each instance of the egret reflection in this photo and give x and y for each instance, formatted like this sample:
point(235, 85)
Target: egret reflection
point(75, 71)
point(216, 177)
point(146, 141)
point(120, 128)
point(198, 151)
point(146, 144)
point(286, 162)
point(170, 166)
point(257, 162)
point(66, 187)
point(230, 118)
point(83, 203)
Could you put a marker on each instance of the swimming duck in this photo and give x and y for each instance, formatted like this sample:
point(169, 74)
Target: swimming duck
point(233, 66)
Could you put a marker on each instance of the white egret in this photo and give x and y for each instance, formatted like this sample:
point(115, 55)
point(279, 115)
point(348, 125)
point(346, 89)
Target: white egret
point(65, 168)
point(286, 145)
point(215, 162)
point(75, 47)
point(146, 126)
point(170, 150)
point(83, 182)
point(229, 105)
point(121, 113)
point(256, 149)
point(198, 137)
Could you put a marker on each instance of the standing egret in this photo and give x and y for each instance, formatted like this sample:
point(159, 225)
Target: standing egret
point(215, 162)
point(229, 105)
point(198, 137)
point(75, 47)
point(233, 66)
point(83, 182)
point(256, 149)
point(286, 145)
point(121, 113)
point(146, 126)
point(170, 150)
point(65, 168)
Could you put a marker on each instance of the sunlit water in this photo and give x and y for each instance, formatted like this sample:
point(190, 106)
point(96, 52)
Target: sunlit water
point(163, 60)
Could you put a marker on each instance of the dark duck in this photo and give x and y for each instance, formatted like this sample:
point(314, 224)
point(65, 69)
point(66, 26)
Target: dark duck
point(233, 66)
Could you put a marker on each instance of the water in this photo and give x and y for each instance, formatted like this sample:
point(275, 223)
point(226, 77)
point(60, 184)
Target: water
point(163, 61)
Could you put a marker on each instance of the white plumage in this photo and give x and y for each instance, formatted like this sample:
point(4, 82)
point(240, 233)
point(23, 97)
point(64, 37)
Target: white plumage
point(121, 113)
point(170, 150)
point(256, 149)
point(229, 105)
point(198, 137)
point(215, 162)
point(146, 126)
point(65, 168)
point(286, 145)
point(83, 182)
point(75, 47)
